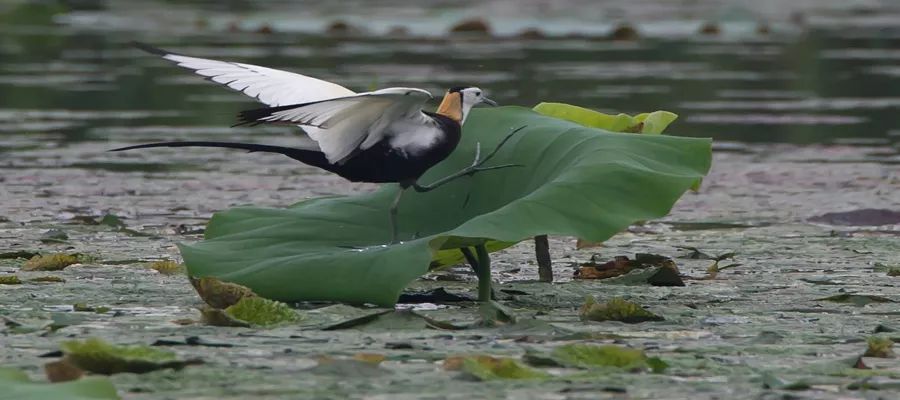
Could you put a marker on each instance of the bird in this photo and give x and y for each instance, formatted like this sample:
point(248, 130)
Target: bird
point(380, 136)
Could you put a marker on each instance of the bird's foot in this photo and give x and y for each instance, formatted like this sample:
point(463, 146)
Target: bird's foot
point(475, 167)
point(478, 163)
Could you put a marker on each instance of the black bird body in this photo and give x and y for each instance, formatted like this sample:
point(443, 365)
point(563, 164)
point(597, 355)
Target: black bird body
point(380, 163)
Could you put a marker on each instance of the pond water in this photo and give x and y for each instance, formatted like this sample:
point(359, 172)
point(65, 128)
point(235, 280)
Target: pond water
point(737, 71)
point(801, 98)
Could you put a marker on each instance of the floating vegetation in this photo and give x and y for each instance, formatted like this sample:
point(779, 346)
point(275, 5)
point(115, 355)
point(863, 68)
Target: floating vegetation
point(624, 32)
point(54, 236)
point(262, 312)
point(487, 368)
point(710, 29)
point(10, 280)
point(283, 254)
point(219, 294)
point(17, 254)
point(472, 26)
point(616, 309)
point(217, 317)
point(881, 347)
point(167, 267)
point(97, 356)
point(48, 279)
point(17, 385)
point(858, 300)
point(50, 262)
point(890, 270)
point(82, 307)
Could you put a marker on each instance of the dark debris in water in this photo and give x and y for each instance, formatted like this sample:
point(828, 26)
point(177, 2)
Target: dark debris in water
point(862, 217)
point(649, 269)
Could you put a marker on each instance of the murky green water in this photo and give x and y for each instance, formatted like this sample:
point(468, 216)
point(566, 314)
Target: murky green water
point(804, 121)
point(798, 76)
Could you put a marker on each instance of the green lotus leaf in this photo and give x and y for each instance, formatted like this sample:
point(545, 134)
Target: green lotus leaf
point(573, 180)
point(650, 123)
point(14, 384)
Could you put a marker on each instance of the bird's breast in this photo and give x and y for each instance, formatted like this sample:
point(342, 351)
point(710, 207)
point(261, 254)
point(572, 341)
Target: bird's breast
point(415, 139)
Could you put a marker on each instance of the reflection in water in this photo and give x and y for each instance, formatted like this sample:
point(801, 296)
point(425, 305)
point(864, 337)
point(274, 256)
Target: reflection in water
point(71, 72)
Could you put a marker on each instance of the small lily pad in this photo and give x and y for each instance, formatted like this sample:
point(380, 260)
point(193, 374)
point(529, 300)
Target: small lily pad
point(262, 312)
point(10, 280)
point(593, 356)
point(50, 262)
point(16, 385)
point(97, 356)
point(488, 368)
point(616, 309)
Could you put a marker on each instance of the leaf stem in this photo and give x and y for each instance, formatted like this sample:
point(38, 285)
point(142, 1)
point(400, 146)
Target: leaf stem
point(542, 254)
point(484, 273)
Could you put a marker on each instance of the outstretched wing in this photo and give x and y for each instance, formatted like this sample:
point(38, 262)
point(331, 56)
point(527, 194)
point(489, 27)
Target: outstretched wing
point(351, 123)
point(270, 86)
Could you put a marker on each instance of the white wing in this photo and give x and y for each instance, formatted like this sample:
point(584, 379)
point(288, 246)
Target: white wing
point(270, 86)
point(351, 123)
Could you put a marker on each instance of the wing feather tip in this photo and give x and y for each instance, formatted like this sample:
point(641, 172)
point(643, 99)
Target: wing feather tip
point(150, 49)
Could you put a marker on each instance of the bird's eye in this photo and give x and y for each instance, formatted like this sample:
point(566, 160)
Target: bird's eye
point(478, 93)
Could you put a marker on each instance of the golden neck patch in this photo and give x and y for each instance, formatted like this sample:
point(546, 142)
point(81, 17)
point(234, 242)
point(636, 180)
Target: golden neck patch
point(451, 106)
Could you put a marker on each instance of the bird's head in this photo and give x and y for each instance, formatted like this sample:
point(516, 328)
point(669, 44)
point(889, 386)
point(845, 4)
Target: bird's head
point(459, 100)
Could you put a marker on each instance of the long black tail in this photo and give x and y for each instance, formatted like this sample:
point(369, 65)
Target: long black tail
point(311, 157)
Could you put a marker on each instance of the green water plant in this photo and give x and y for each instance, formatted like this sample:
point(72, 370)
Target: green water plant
point(15, 384)
point(50, 262)
point(573, 180)
point(98, 356)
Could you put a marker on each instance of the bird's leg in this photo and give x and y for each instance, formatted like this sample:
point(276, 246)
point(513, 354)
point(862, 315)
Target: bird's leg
point(393, 213)
point(476, 165)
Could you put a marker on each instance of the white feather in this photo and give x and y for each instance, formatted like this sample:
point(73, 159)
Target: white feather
point(270, 86)
point(347, 124)
point(338, 121)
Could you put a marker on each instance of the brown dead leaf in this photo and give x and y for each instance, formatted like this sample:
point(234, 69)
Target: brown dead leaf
point(590, 270)
point(667, 271)
point(62, 371)
point(219, 294)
